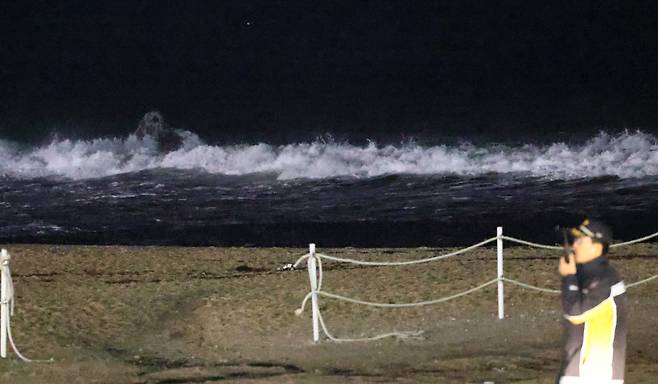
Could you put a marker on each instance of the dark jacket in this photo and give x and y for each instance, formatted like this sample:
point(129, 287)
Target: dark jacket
point(594, 303)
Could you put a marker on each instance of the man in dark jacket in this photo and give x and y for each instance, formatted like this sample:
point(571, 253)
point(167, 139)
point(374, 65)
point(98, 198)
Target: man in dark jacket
point(594, 306)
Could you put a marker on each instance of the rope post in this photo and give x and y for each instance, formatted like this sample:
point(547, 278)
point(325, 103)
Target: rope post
point(313, 277)
point(499, 256)
point(4, 301)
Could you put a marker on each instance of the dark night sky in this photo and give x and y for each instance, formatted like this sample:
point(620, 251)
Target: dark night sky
point(271, 69)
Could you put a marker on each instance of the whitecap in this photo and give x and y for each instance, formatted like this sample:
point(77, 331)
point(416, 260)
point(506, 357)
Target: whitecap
point(625, 155)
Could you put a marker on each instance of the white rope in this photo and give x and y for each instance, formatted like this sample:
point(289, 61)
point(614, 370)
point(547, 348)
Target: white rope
point(301, 308)
point(408, 262)
point(648, 279)
point(534, 287)
point(410, 334)
point(411, 262)
point(536, 245)
point(400, 334)
point(6, 274)
point(443, 299)
point(634, 241)
point(296, 264)
point(513, 239)
point(394, 305)
point(405, 305)
point(548, 290)
point(407, 334)
point(320, 274)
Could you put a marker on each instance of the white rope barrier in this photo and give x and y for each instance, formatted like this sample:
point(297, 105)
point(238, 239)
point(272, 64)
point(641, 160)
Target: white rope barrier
point(537, 245)
point(314, 263)
point(529, 286)
point(548, 290)
point(7, 310)
point(395, 305)
point(407, 305)
point(407, 262)
point(651, 236)
point(463, 250)
point(299, 261)
point(320, 273)
point(398, 334)
point(648, 279)
point(530, 243)
point(299, 311)
point(412, 334)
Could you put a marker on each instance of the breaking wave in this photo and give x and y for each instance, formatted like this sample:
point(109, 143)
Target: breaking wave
point(626, 155)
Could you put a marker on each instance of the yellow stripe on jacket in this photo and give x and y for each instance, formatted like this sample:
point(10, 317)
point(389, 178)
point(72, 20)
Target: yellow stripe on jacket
point(599, 334)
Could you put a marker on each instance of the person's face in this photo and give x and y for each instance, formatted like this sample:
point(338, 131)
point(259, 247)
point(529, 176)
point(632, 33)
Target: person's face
point(585, 249)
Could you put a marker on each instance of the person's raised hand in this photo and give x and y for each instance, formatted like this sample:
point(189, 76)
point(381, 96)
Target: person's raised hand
point(567, 268)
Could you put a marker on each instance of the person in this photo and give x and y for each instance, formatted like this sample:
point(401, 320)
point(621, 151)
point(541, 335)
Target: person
point(154, 125)
point(594, 304)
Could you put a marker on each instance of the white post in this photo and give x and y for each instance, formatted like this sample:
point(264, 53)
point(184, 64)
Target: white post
point(4, 302)
point(499, 254)
point(313, 276)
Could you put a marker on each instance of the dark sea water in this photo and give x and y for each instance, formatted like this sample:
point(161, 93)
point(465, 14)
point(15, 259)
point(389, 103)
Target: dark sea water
point(124, 191)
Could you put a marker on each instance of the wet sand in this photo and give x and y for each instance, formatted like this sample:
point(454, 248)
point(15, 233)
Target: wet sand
point(203, 315)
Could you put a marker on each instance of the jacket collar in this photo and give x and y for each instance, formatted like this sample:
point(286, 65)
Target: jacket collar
point(592, 267)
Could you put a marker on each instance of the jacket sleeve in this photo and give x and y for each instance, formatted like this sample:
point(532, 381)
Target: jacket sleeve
point(578, 304)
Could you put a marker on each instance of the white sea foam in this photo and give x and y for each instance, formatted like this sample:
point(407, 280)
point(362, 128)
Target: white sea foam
point(626, 155)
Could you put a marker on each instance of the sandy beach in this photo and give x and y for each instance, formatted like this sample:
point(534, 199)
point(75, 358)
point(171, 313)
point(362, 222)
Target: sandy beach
point(202, 315)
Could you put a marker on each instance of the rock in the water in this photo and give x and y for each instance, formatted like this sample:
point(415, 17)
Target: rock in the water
point(153, 124)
